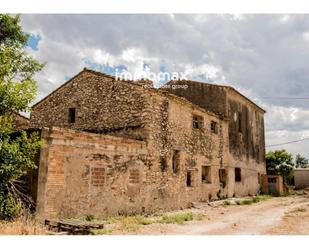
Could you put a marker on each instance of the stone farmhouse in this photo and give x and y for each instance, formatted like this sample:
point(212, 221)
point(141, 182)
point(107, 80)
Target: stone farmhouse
point(124, 147)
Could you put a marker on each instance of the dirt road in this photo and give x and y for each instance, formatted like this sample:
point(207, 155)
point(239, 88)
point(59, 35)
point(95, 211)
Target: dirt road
point(281, 215)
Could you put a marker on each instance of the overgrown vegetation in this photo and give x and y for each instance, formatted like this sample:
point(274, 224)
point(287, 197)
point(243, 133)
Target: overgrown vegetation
point(255, 199)
point(177, 218)
point(17, 91)
point(22, 226)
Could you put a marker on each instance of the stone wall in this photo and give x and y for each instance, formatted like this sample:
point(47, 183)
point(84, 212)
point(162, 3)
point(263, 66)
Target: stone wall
point(101, 104)
point(20, 122)
point(181, 152)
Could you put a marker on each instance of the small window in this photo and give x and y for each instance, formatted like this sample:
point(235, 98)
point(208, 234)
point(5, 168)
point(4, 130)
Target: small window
point(222, 177)
point(259, 178)
point(72, 115)
point(206, 174)
point(214, 127)
point(176, 161)
point(189, 179)
point(197, 122)
point(237, 175)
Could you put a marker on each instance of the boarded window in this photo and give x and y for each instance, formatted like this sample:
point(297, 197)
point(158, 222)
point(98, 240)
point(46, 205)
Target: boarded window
point(237, 175)
point(214, 127)
point(176, 161)
point(222, 177)
point(206, 174)
point(97, 177)
point(189, 179)
point(134, 176)
point(197, 122)
point(72, 115)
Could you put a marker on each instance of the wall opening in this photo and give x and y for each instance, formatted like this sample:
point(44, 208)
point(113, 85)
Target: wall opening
point(176, 161)
point(97, 176)
point(189, 179)
point(72, 115)
point(134, 176)
point(259, 178)
point(206, 178)
point(197, 122)
point(237, 174)
point(214, 127)
point(222, 177)
point(239, 122)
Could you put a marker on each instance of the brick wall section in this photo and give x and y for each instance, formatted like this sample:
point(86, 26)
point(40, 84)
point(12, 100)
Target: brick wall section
point(82, 173)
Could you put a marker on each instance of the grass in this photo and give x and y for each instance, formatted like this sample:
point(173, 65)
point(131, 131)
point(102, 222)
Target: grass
point(177, 218)
point(301, 210)
point(226, 203)
point(255, 199)
point(22, 226)
point(103, 231)
point(133, 223)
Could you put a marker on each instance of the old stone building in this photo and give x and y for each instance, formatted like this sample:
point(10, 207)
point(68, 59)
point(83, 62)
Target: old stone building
point(118, 147)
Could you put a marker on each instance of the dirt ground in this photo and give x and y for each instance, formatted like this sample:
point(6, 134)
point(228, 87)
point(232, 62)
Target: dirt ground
point(275, 216)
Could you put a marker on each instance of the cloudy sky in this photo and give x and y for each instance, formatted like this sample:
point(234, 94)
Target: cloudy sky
point(266, 57)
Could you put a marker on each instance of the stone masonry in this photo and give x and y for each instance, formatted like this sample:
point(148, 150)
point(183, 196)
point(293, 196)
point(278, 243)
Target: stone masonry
point(126, 147)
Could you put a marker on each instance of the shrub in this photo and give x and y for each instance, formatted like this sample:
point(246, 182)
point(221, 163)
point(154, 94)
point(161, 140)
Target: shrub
point(177, 218)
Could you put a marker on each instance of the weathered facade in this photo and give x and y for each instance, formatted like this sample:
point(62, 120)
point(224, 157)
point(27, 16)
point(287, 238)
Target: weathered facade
point(20, 122)
point(301, 177)
point(165, 151)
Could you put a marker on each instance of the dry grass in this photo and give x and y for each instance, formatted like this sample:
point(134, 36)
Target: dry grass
point(22, 226)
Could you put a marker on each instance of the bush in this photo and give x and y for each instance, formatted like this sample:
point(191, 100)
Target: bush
point(177, 218)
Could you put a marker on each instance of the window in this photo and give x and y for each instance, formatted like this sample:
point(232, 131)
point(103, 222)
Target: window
point(176, 161)
point(197, 122)
point(72, 115)
point(206, 174)
point(259, 178)
point(239, 122)
point(222, 177)
point(237, 175)
point(189, 179)
point(214, 127)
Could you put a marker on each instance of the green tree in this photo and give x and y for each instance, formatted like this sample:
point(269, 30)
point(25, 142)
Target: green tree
point(279, 162)
point(17, 90)
point(301, 162)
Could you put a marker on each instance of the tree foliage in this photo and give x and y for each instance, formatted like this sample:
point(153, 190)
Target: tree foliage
point(301, 162)
point(279, 162)
point(17, 90)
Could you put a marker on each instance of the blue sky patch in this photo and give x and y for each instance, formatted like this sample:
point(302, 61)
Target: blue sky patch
point(105, 68)
point(33, 41)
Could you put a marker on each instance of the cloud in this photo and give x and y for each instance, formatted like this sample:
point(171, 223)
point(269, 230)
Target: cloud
point(263, 56)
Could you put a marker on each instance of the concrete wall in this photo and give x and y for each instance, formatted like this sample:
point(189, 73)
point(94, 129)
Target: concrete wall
point(301, 177)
